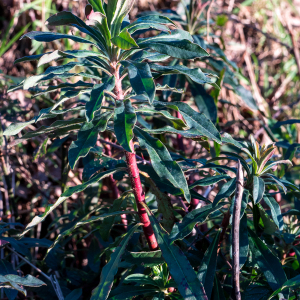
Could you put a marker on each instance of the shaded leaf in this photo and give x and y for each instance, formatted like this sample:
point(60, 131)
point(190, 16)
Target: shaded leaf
point(69, 192)
point(162, 161)
point(180, 269)
point(226, 191)
point(87, 137)
point(207, 269)
point(124, 122)
point(141, 79)
point(97, 96)
point(267, 262)
point(110, 269)
point(258, 189)
point(199, 215)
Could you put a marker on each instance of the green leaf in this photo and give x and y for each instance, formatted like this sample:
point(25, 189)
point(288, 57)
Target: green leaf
point(109, 222)
point(67, 18)
point(199, 124)
point(195, 75)
point(97, 96)
point(116, 12)
point(61, 124)
point(65, 85)
point(111, 268)
point(227, 139)
point(97, 6)
point(208, 266)
point(293, 283)
point(180, 269)
point(59, 54)
point(274, 165)
point(226, 191)
point(51, 72)
point(258, 189)
point(178, 45)
point(87, 137)
point(267, 262)
point(74, 295)
point(176, 122)
point(30, 57)
point(150, 21)
point(176, 35)
point(269, 225)
point(141, 55)
point(204, 101)
point(199, 215)
point(162, 161)
point(244, 241)
point(206, 181)
point(124, 122)
point(52, 36)
point(146, 259)
point(256, 290)
point(124, 40)
point(84, 221)
point(218, 293)
point(28, 280)
point(287, 122)
point(129, 292)
point(275, 211)
point(141, 279)
point(141, 79)
point(68, 193)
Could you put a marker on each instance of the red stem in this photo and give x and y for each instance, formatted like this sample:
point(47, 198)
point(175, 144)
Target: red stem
point(140, 198)
point(134, 174)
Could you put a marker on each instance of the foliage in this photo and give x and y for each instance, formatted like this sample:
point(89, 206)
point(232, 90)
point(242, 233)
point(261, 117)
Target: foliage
point(128, 87)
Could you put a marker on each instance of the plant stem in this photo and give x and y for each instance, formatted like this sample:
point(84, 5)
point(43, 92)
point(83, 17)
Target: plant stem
point(236, 231)
point(140, 198)
point(134, 174)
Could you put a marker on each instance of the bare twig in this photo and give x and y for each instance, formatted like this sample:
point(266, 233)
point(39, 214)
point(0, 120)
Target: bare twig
point(236, 231)
point(294, 41)
point(252, 26)
point(261, 101)
point(208, 17)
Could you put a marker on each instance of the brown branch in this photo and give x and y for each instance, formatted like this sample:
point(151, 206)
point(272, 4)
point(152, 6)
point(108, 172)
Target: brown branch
point(208, 17)
point(260, 100)
point(294, 41)
point(270, 37)
point(236, 231)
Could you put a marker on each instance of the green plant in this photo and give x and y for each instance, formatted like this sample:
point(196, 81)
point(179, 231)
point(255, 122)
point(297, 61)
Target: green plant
point(116, 98)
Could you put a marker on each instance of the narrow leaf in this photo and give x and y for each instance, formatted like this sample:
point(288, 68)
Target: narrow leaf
point(124, 122)
point(208, 265)
point(68, 193)
point(275, 211)
point(199, 215)
point(180, 269)
point(124, 40)
point(87, 137)
point(258, 189)
point(162, 161)
point(226, 191)
point(110, 269)
point(97, 96)
point(267, 262)
point(141, 79)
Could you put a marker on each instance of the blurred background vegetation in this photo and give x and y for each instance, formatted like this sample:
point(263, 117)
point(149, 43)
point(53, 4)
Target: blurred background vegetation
point(262, 37)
